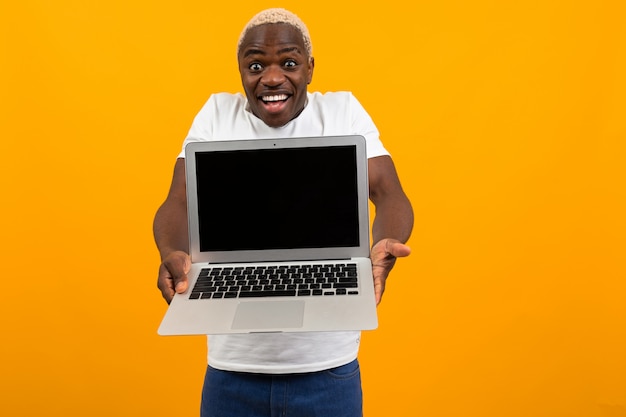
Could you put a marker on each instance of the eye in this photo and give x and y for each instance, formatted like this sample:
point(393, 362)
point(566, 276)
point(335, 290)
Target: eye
point(255, 67)
point(290, 63)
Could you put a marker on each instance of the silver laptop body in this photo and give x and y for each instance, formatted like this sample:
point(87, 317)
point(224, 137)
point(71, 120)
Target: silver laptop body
point(279, 238)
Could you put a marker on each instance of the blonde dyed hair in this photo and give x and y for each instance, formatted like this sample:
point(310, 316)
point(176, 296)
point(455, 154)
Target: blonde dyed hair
point(277, 15)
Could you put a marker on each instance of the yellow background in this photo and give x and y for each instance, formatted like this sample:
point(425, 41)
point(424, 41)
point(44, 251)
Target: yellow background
point(506, 120)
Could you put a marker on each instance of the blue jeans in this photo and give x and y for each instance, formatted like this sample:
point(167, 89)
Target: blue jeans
point(331, 393)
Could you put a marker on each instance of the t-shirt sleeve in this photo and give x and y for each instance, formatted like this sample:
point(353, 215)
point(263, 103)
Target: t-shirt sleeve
point(363, 124)
point(200, 129)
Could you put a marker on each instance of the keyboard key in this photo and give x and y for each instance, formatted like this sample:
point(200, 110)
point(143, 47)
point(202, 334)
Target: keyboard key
point(284, 293)
point(345, 285)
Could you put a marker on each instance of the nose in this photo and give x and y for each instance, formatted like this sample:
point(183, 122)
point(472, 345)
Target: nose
point(273, 76)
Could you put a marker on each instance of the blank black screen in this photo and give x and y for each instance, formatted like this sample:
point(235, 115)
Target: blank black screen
point(277, 198)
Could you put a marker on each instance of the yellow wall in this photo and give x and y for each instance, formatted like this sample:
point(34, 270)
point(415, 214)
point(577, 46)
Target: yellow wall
point(507, 123)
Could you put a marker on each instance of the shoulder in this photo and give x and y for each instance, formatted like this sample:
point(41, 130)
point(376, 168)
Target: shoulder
point(220, 104)
point(226, 99)
point(335, 100)
point(331, 97)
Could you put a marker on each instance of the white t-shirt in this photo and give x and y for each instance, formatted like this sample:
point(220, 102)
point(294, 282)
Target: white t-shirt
point(226, 117)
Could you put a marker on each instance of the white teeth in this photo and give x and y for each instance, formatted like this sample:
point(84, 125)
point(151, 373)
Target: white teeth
point(279, 97)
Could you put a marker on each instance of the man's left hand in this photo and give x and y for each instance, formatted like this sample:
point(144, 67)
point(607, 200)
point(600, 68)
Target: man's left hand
point(383, 256)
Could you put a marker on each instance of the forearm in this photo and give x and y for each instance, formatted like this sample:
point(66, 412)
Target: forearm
point(170, 221)
point(393, 219)
point(170, 228)
point(394, 215)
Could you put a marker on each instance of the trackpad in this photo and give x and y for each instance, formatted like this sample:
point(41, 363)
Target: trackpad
point(269, 315)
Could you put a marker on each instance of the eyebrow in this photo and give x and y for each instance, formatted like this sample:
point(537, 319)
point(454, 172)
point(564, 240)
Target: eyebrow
point(288, 49)
point(253, 52)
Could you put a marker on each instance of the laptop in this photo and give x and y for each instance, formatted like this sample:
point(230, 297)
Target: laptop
point(279, 238)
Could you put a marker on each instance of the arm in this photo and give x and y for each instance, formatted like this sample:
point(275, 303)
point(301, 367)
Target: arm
point(171, 236)
point(393, 220)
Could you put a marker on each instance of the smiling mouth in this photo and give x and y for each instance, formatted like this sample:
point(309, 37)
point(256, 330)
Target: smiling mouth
point(274, 98)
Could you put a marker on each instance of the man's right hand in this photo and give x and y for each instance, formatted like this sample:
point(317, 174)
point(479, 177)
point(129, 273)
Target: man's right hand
point(173, 274)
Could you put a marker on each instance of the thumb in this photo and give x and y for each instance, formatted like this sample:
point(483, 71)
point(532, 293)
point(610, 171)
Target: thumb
point(391, 248)
point(398, 249)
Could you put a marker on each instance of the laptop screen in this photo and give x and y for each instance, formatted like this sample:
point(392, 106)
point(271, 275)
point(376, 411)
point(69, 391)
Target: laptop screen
point(288, 198)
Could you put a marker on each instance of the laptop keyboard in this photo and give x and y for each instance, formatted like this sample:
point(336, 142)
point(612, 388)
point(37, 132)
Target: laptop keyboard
point(276, 281)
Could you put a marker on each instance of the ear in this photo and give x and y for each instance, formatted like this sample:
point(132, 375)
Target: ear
point(310, 71)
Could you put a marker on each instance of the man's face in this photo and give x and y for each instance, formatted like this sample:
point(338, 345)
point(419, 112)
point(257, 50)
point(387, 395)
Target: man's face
point(275, 71)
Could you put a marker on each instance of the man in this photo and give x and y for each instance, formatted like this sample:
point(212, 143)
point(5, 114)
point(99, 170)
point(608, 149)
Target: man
point(305, 374)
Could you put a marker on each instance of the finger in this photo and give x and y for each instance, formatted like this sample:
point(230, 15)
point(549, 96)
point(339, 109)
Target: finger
point(165, 284)
point(179, 269)
point(379, 289)
point(168, 294)
point(173, 275)
point(380, 272)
